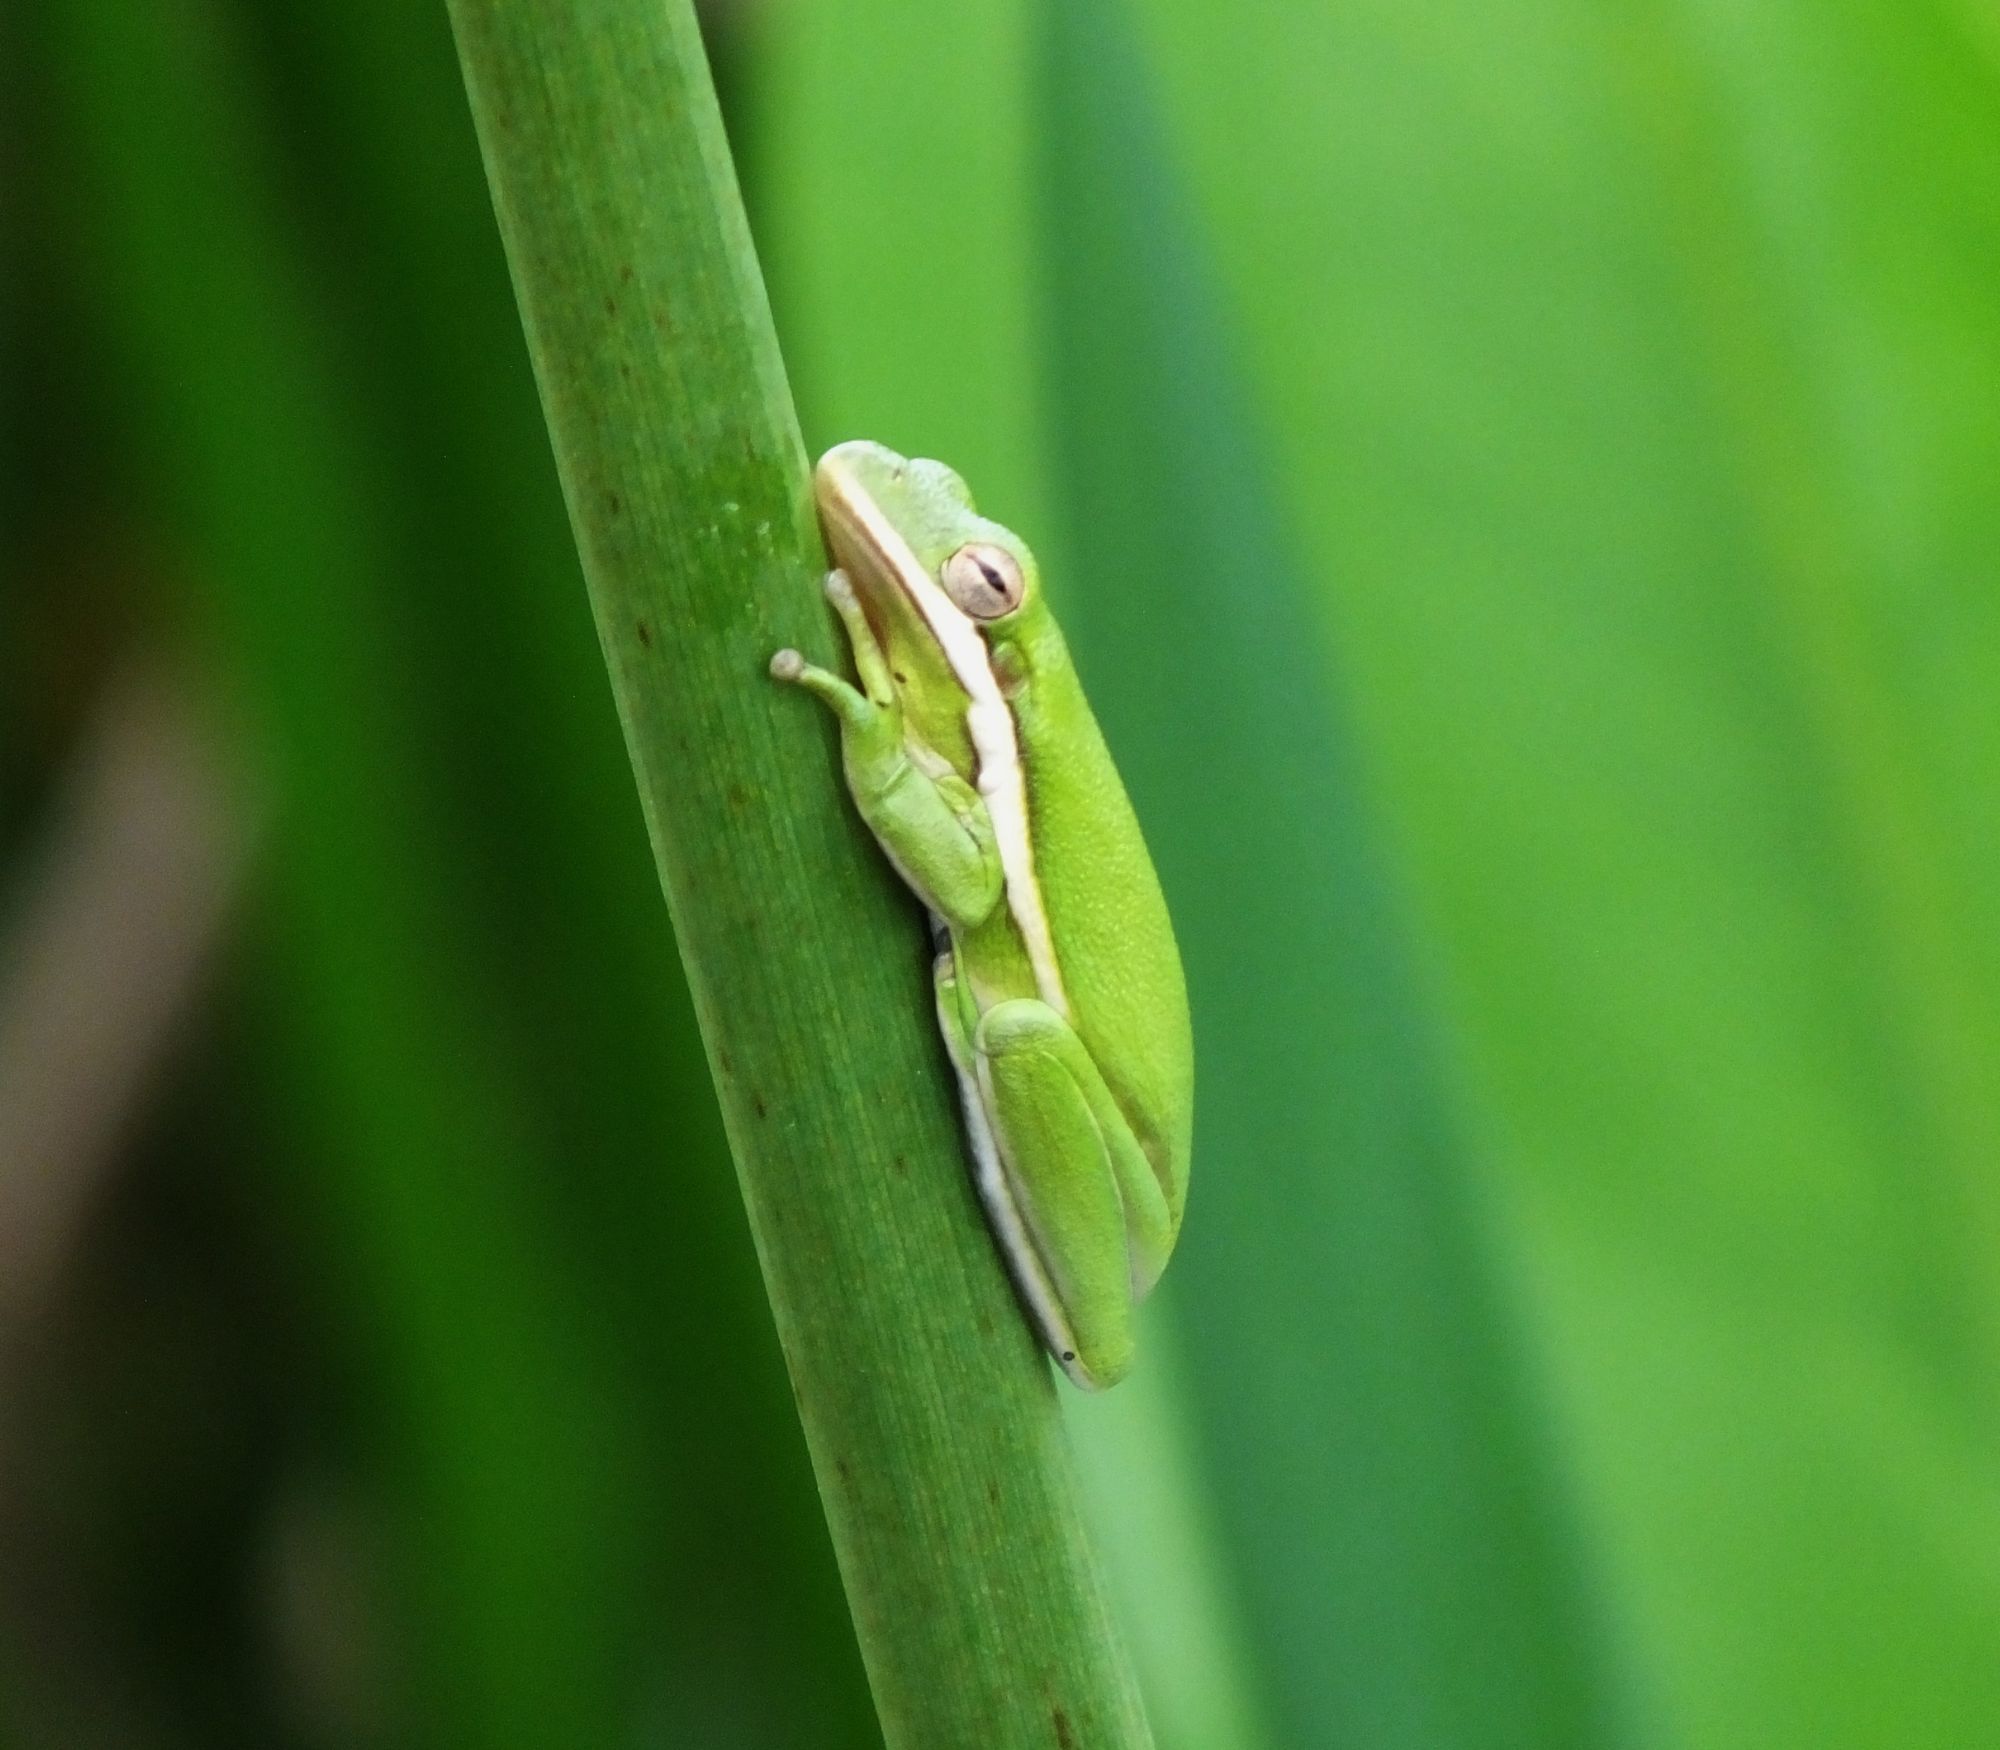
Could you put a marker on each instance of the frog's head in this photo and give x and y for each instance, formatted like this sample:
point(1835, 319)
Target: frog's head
point(939, 582)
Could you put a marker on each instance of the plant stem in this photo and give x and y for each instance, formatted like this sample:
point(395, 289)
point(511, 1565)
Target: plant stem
point(928, 1410)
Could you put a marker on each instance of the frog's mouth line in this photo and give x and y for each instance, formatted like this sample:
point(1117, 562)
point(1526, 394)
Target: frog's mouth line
point(853, 521)
point(864, 540)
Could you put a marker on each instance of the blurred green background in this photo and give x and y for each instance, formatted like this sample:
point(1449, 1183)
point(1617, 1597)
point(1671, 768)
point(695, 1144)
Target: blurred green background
point(1521, 478)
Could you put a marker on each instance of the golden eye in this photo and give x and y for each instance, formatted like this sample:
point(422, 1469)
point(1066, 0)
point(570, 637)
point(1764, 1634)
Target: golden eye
point(984, 580)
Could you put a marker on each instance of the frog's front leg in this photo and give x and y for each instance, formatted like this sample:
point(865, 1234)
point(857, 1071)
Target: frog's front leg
point(1071, 1195)
point(930, 823)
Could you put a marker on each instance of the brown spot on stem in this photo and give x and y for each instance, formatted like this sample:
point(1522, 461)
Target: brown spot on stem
point(1065, 1734)
point(645, 635)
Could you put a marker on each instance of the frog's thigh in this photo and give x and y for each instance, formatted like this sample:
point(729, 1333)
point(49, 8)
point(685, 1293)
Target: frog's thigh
point(1056, 1141)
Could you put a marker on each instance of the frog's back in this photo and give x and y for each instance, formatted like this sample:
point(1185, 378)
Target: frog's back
point(1108, 919)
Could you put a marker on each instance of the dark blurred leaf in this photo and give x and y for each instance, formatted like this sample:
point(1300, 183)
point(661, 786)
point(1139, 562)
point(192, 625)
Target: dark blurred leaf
point(1390, 1499)
point(1633, 387)
point(493, 1416)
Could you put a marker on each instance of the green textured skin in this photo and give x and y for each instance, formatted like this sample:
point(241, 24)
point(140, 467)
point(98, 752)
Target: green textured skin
point(1113, 937)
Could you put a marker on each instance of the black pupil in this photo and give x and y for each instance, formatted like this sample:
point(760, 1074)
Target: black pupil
point(992, 578)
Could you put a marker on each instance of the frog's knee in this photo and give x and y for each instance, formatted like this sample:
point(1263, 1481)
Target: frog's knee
point(1020, 1023)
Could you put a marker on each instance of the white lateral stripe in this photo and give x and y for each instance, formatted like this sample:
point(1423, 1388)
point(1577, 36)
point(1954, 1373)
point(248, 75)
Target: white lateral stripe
point(991, 726)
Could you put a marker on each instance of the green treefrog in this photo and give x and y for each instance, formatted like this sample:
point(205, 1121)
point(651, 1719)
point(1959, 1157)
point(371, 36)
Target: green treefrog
point(974, 759)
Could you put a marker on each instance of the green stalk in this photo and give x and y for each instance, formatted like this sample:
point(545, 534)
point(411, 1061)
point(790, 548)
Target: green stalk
point(930, 1416)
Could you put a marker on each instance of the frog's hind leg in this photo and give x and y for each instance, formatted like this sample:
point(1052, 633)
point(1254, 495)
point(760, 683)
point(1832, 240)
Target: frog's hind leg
point(989, 1174)
point(1081, 1189)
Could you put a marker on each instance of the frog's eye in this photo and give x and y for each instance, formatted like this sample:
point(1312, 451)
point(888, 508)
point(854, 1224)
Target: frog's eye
point(984, 580)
